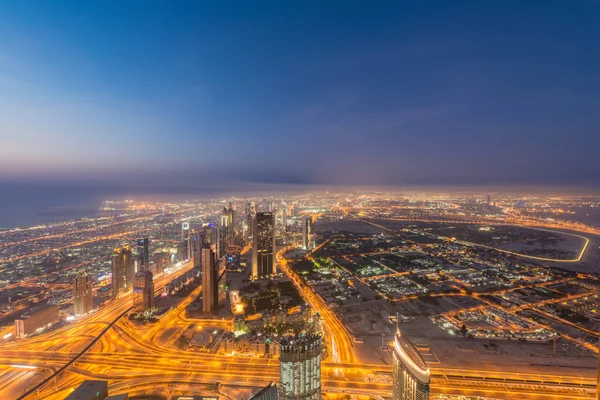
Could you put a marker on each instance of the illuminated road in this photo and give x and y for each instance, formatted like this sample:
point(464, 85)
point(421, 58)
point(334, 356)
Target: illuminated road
point(341, 342)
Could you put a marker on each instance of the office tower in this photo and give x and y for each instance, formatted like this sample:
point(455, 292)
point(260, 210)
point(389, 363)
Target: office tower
point(143, 254)
point(306, 233)
point(186, 251)
point(122, 270)
point(143, 292)
point(300, 368)
point(250, 211)
point(230, 225)
point(82, 294)
point(284, 216)
point(209, 276)
point(162, 261)
point(410, 373)
point(489, 200)
point(270, 206)
point(269, 392)
point(36, 319)
point(263, 245)
point(196, 249)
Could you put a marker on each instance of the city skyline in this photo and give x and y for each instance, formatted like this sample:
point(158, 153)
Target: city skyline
point(273, 200)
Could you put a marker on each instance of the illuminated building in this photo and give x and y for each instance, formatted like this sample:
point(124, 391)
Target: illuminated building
point(300, 368)
point(263, 248)
point(410, 373)
point(284, 216)
point(196, 243)
point(162, 261)
point(122, 270)
point(82, 294)
point(143, 254)
point(143, 292)
point(269, 392)
point(90, 390)
point(270, 207)
point(232, 261)
point(36, 319)
point(306, 233)
point(185, 253)
point(209, 277)
point(230, 225)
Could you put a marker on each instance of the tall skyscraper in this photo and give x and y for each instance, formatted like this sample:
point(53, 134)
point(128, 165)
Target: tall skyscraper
point(284, 217)
point(250, 211)
point(306, 233)
point(82, 294)
point(143, 254)
point(186, 252)
point(209, 279)
point(270, 207)
point(489, 200)
point(122, 270)
point(230, 225)
point(300, 368)
point(410, 373)
point(143, 292)
point(263, 245)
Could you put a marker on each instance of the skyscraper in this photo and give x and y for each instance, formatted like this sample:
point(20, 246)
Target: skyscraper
point(122, 270)
point(410, 373)
point(230, 225)
point(143, 254)
point(263, 245)
point(300, 368)
point(306, 233)
point(186, 252)
point(82, 293)
point(143, 292)
point(284, 216)
point(209, 278)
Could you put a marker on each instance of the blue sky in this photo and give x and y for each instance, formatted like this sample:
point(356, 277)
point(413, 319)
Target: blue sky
point(407, 92)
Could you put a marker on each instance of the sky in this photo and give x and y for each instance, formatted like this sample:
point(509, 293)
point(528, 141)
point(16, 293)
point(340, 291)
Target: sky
point(300, 92)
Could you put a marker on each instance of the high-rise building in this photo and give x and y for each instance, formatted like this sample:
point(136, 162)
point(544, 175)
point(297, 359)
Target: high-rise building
point(122, 270)
point(263, 245)
point(410, 373)
point(250, 212)
point(230, 225)
point(269, 392)
point(284, 216)
point(270, 207)
point(143, 253)
point(489, 200)
point(300, 368)
point(209, 278)
point(306, 233)
point(186, 251)
point(83, 301)
point(35, 320)
point(143, 292)
point(232, 261)
point(162, 261)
